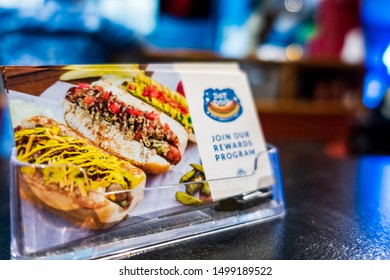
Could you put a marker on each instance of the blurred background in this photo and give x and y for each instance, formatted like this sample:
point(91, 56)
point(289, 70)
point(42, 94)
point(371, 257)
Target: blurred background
point(316, 67)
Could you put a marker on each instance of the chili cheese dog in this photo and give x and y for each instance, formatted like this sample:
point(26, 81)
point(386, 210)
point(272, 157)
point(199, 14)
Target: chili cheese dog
point(125, 126)
point(72, 178)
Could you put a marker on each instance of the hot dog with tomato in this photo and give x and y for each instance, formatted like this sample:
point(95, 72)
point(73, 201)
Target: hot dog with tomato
point(125, 126)
point(168, 101)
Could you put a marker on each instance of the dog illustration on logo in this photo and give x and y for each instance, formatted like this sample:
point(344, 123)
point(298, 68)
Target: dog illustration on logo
point(222, 105)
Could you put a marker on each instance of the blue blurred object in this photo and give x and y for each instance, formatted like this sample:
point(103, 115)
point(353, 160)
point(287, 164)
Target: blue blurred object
point(191, 33)
point(222, 26)
point(59, 32)
point(376, 27)
point(185, 24)
point(6, 134)
point(373, 183)
point(232, 30)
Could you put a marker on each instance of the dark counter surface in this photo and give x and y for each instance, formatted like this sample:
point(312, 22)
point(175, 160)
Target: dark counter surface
point(4, 211)
point(336, 208)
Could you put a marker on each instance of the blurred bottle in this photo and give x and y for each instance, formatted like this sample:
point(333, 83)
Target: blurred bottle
point(376, 28)
point(335, 18)
point(288, 26)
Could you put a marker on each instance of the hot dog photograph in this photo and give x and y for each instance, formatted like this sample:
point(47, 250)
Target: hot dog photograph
point(125, 126)
point(91, 155)
point(93, 196)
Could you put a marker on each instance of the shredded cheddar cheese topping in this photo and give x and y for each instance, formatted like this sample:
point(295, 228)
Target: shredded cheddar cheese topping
point(71, 162)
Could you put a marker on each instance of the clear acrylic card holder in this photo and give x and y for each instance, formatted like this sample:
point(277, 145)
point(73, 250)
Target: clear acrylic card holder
point(39, 231)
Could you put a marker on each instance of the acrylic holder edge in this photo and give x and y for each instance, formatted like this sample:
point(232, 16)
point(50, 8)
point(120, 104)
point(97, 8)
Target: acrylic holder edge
point(255, 207)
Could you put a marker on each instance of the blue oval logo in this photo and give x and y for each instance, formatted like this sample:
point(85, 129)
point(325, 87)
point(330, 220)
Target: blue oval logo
point(221, 105)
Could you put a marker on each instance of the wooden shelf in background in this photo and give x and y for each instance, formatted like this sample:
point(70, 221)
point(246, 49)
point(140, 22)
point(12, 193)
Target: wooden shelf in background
point(306, 107)
point(157, 54)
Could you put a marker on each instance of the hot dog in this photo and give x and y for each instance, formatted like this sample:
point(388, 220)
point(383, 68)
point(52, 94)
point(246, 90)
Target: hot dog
point(72, 178)
point(168, 101)
point(125, 126)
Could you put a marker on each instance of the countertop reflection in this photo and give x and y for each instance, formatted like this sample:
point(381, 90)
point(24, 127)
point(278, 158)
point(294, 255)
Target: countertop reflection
point(336, 208)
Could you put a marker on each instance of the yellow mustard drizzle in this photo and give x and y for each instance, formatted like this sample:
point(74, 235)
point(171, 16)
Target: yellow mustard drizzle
point(67, 156)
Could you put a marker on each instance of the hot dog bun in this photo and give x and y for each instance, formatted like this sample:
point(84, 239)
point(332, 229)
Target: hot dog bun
point(72, 178)
point(106, 132)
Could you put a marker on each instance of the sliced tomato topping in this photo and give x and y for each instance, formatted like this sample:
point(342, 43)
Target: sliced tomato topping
point(89, 100)
point(152, 125)
point(152, 116)
point(174, 103)
point(138, 136)
point(153, 92)
point(83, 85)
point(114, 108)
point(134, 112)
point(162, 97)
point(146, 92)
point(150, 91)
point(131, 87)
point(106, 95)
point(183, 109)
point(77, 91)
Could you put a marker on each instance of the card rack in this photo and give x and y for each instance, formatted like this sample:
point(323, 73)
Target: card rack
point(40, 234)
